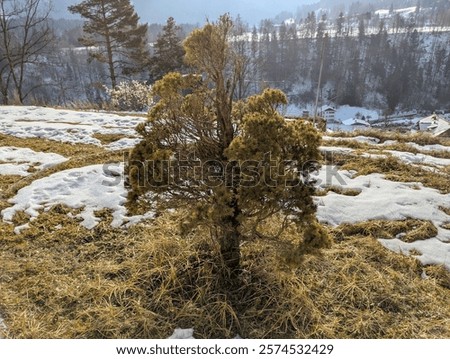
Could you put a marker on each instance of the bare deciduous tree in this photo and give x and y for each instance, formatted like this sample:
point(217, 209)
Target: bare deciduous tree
point(24, 35)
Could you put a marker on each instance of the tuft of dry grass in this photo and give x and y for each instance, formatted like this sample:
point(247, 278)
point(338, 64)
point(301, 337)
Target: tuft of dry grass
point(352, 192)
point(7, 181)
point(60, 280)
point(108, 138)
point(446, 210)
point(439, 274)
point(408, 230)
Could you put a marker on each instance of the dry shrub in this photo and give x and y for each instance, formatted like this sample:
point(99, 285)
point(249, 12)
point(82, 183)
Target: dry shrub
point(60, 280)
point(408, 230)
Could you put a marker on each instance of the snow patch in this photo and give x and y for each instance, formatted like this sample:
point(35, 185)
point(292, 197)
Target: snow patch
point(411, 158)
point(182, 334)
point(17, 161)
point(433, 251)
point(89, 188)
point(381, 199)
point(64, 125)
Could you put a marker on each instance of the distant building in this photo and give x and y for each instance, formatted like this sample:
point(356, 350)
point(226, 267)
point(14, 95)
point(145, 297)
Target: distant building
point(329, 114)
point(356, 123)
point(427, 122)
point(437, 125)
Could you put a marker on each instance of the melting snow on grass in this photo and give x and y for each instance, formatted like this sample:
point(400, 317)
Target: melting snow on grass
point(90, 189)
point(381, 199)
point(17, 161)
point(65, 125)
point(420, 158)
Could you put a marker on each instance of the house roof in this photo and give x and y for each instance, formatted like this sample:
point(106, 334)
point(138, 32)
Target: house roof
point(431, 119)
point(442, 129)
point(355, 122)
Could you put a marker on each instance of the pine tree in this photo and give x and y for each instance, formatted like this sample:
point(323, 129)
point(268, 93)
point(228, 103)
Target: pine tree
point(340, 24)
point(232, 164)
point(169, 51)
point(361, 29)
point(114, 35)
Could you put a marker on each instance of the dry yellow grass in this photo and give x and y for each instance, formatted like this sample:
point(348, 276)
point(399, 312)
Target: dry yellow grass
point(400, 146)
point(106, 139)
point(60, 280)
point(439, 274)
point(421, 138)
point(352, 192)
point(408, 230)
point(44, 145)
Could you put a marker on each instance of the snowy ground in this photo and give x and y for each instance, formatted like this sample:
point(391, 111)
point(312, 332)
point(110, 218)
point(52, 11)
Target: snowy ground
point(381, 199)
point(90, 189)
point(66, 125)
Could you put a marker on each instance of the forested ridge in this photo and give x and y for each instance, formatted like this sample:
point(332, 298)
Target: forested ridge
point(389, 57)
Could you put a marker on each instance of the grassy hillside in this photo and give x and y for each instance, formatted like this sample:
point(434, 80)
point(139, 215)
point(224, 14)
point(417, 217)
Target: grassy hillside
point(61, 280)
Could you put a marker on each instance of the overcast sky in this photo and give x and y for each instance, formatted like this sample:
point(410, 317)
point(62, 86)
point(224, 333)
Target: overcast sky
point(197, 11)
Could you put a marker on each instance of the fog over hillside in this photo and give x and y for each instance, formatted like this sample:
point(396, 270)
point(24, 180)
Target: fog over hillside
point(196, 11)
point(252, 11)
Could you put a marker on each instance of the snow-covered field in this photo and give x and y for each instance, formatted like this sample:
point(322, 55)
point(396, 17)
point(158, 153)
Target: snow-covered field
point(96, 187)
point(405, 11)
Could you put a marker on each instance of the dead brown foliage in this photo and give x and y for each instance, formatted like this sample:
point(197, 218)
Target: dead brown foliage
point(60, 280)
